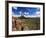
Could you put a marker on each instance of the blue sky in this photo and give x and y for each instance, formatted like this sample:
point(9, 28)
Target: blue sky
point(27, 11)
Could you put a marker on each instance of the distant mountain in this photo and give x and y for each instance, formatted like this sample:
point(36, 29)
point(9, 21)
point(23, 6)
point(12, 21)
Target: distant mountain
point(22, 17)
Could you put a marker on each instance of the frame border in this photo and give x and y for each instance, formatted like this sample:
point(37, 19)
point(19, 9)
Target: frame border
point(6, 18)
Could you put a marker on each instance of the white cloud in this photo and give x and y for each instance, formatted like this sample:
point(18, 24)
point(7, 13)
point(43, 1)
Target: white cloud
point(32, 16)
point(37, 13)
point(15, 8)
point(15, 15)
point(20, 12)
point(26, 13)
